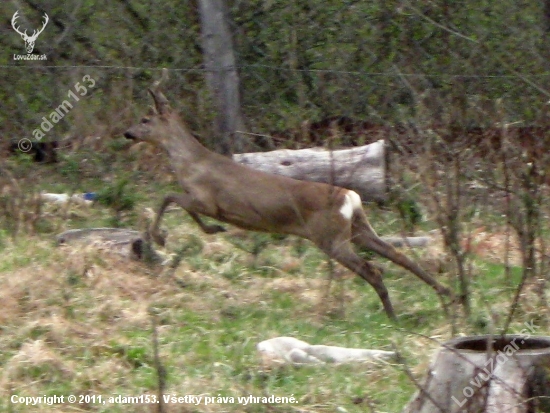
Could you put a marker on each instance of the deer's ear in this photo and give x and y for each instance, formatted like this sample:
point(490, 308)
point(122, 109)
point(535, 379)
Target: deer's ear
point(161, 103)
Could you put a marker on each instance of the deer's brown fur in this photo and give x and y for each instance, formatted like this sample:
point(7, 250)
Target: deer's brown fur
point(215, 186)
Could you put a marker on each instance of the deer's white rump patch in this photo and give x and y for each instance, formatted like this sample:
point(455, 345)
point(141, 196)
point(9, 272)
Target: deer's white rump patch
point(351, 203)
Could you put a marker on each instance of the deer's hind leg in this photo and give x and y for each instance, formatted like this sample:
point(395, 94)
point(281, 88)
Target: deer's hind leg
point(343, 253)
point(364, 236)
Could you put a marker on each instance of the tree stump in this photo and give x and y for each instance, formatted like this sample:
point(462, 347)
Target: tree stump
point(362, 169)
point(487, 374)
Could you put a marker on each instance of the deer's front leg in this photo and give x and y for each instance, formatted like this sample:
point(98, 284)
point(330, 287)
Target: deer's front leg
point(208, 229)
point(187, 203)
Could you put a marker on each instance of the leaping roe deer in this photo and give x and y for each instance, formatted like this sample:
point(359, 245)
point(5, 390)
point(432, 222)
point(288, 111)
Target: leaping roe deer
point(217, 187)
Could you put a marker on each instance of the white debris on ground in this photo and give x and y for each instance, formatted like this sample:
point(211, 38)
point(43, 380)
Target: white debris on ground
point(289, 350)
point(82, 199)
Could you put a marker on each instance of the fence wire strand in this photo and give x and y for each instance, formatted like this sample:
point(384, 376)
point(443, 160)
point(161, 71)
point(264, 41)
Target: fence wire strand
point(298, 62)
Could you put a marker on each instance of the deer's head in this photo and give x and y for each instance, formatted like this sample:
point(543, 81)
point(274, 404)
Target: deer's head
point(29, 40)
point(157, 123)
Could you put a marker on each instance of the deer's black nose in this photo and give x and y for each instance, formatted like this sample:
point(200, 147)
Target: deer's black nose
point(129, 135)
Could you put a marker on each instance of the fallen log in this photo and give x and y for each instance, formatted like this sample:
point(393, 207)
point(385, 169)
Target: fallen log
point(362, 169)
point(401, 242)
point(128, 243)
point(489, 374)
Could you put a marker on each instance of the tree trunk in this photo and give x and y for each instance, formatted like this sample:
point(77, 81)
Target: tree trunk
point(221, 75)
point(547, 17)
point(362, 169)
point(487, 374)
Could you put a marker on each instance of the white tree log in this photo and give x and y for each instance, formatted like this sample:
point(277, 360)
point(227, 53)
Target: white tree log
point(362, 169)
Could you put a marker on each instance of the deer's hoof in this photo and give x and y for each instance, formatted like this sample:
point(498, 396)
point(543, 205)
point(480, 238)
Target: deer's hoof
point(159, 238)
point(214, 229)
point(447, 293)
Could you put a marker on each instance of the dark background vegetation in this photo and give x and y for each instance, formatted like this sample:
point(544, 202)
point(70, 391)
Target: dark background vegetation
point(465, 63)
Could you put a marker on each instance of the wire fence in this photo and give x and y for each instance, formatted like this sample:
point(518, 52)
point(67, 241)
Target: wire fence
point(119, 95)
point(299, 63)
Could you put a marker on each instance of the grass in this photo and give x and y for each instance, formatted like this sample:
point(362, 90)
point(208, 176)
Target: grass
point(77, 320)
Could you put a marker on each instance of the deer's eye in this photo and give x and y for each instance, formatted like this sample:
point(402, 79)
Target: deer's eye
point(145, 120)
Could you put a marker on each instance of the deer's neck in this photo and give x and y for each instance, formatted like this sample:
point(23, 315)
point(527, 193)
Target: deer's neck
point(184, 150)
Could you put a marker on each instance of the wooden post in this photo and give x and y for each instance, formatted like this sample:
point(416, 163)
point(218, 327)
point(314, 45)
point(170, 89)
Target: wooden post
point(222, 77)
point(490, 374)
point(362, 169)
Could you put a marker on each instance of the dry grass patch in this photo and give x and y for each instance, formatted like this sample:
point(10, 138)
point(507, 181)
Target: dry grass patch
point(77, 319)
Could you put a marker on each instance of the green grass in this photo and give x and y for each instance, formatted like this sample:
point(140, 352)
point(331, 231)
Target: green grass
point(76, 320)
point(209, 330)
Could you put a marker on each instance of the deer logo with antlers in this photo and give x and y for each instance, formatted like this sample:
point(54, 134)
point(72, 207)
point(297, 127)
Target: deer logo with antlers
point(29, 40)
